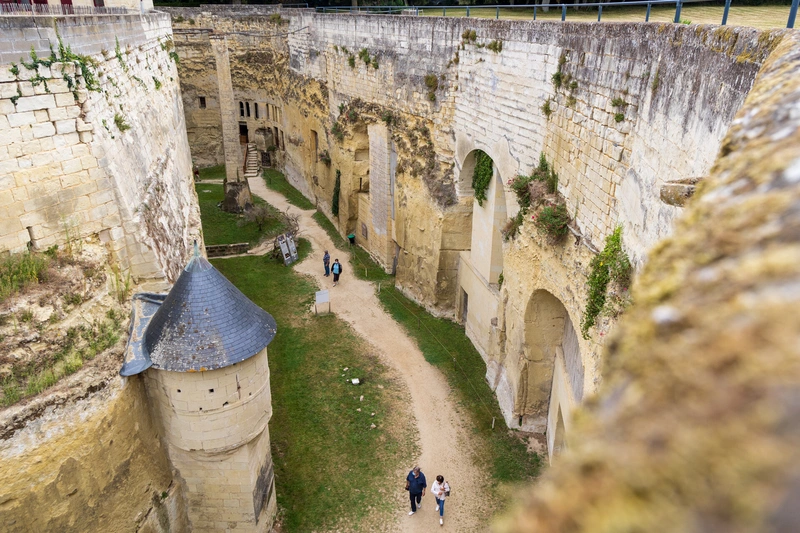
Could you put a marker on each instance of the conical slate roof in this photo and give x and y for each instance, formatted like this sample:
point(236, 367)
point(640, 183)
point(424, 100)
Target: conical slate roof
point(205, 323)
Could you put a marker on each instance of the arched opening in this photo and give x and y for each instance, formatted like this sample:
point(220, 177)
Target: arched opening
point(550, 373)
point(481, 256)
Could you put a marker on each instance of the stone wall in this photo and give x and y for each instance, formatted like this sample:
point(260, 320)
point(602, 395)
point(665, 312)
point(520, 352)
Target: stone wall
point(105, 155)
point(619, 111)
point(696, 425)
point(89, 464)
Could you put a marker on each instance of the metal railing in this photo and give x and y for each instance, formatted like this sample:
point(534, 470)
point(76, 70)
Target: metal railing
point(45, 9)
point(542, 8)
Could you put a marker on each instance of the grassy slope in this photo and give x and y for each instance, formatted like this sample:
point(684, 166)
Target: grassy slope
point(277, 182)
point(220, 227)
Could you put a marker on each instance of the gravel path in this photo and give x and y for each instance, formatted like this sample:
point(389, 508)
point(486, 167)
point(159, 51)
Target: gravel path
point(444, 444)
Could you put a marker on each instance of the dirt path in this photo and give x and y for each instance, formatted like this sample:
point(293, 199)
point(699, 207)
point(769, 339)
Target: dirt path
point(444, 443)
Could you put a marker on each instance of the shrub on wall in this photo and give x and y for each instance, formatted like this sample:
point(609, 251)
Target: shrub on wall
point(482, 175)
point(552, 222)
point(610, 265)
point(336, 187)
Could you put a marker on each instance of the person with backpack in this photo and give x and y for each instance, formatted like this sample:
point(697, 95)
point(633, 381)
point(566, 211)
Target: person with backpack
point(336, 268)
point(440, 490)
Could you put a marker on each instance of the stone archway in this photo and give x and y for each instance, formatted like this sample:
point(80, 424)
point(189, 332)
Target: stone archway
point(481, 257)
point(550, 370)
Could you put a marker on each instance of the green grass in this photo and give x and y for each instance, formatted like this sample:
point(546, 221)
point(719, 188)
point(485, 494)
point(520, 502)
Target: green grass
point(500, 451)
point(324, 451)
point(277, 182)
point(361, 263)
point(213, 173)
point(17, 271)
point(220, 227)
point(757, 16)
point(80, 343)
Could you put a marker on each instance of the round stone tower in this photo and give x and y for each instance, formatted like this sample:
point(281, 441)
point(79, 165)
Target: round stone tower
point(203, 348)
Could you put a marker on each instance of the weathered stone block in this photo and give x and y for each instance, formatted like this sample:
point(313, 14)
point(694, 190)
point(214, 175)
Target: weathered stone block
point(7, 90)
point(21, 119)
point(31, 103)
point(64, 99)
point(66, 126)
point(43, 129)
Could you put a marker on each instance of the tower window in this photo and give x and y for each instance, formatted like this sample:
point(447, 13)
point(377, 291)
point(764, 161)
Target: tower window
point(248, 108)
point(255, 109)
point(241, 109)
point(202, 102)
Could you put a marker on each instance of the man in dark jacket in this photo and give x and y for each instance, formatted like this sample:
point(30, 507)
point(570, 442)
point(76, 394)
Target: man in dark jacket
point(415, 485)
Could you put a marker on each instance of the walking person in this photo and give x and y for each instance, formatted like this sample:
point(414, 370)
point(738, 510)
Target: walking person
point(440, 490)
point(336, 269)
point(326, 262)
point(415, 485)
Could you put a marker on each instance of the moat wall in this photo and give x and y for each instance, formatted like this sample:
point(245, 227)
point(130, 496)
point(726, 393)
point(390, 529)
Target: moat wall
point(107, 156)
point(90, 463)
point(640, 106)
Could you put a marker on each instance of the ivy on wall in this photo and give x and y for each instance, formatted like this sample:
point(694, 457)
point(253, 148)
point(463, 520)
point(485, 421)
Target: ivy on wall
point(336, 187)
point(482, 175)
point(610, 265)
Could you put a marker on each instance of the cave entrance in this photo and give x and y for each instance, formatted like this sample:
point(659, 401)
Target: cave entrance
point(243, 135)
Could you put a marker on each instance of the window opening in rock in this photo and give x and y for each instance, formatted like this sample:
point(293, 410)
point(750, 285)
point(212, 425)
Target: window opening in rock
point(202, 100)
point(241, 109)
point(255, 109)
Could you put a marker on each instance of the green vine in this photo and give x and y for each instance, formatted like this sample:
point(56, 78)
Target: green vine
point(336, 188)
point(612, 264)
point(118, 53)
point(482, 175)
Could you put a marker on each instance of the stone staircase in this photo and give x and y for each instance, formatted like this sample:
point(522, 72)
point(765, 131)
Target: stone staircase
point(253, 165)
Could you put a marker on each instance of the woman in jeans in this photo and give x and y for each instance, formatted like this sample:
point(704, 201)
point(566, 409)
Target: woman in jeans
point(440, 489)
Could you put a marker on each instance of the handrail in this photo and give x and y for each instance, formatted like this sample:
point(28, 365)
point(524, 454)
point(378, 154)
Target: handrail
point(46, 9)
point(415, 10)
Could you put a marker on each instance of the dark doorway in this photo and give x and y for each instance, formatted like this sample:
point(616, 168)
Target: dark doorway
point(243, 138)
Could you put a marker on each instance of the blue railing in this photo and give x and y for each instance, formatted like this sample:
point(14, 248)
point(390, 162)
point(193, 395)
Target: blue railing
point(537, 9)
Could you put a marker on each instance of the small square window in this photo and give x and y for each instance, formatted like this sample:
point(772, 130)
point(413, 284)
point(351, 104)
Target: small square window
point(202, 102)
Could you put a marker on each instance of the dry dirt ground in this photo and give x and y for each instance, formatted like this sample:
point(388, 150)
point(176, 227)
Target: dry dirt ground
point(444, 444)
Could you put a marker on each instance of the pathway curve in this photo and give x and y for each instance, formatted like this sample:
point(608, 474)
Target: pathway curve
point(445, 447)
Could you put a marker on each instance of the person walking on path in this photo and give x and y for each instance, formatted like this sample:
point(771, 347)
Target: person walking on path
point(326, 262)
point(440, 489)
point(336, 269)
point(415, 485)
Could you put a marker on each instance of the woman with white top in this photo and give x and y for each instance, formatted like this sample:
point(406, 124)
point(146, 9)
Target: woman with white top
point(440, 489)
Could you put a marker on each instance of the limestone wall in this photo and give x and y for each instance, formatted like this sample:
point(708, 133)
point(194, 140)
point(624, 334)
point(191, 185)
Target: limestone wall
point(107, 156)
point(696, 425)
point(88, 464)
point(639, 106)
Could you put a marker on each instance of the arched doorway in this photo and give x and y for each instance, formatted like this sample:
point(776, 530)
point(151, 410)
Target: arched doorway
point(550, 373)
point(481, 262)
